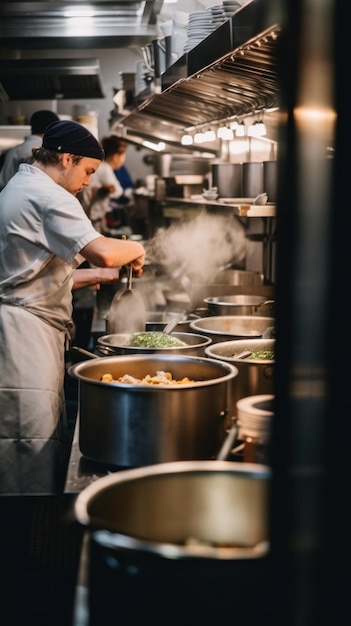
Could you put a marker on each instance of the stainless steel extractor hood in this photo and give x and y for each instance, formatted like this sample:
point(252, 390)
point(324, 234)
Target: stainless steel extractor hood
point(49, 24)
point(50, 79)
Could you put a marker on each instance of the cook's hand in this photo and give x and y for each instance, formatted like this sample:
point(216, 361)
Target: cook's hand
point(108, 274)
point(137, 265)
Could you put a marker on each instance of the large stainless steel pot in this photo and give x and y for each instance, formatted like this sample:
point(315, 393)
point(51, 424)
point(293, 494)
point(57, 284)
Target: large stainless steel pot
point(256, 377)
point(230, 327)
point(240, 304)
point(135, 425)
point(178, 539)
point(195, 344)
point(224, 278)
point(238, 277)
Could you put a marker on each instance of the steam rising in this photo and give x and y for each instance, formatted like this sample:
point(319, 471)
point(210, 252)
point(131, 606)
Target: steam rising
point(199, 247)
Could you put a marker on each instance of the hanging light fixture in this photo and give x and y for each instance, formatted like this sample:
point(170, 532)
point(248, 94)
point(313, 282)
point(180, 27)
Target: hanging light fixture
point(187, 140)
point(209, 135)
point(199, 137)
point(228, 134)
point(240, 129)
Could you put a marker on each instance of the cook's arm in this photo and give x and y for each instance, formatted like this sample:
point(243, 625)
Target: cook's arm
point(94, 276)
point(111, 252)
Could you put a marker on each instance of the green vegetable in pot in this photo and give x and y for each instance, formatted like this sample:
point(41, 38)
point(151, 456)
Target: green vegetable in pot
point(259, 355)
point(153, 339)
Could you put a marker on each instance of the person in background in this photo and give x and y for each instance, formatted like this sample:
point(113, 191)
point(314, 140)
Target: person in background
point(126, 181)
point(24, 151)
point(105, 196)
point(45, 235)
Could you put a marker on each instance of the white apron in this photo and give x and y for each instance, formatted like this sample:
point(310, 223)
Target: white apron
point(34, 449)
point(42, 230)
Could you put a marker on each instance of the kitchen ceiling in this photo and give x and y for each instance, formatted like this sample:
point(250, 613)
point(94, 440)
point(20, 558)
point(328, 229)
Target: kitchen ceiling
point(78, 24)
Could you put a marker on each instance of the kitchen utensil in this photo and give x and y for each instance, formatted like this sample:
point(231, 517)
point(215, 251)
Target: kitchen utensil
point(127, 310)
point(244, 354)
point(131, 425)
point(170, 326)
point(228, 442)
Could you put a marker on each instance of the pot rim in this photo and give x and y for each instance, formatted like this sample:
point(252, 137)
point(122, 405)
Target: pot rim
point(252, 300)
point(202, 342)
point(239, 345)
point(197, 325)
point(115, 539)
point(77, 371)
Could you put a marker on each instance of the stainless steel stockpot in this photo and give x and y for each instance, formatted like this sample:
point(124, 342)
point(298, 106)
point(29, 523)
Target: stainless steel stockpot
point(215, 509)
point(195, 344)
point(255, 377)
point(229, 327)
point(181, 542)
point(240, 304)
point(131, 425)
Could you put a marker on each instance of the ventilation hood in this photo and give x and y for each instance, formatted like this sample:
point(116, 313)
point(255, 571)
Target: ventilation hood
point(198, 91)
point(48, 24)
point(50, 79)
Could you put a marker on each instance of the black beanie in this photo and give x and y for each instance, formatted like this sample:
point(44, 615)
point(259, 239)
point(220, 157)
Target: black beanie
point(67, 136)
point(41, 119)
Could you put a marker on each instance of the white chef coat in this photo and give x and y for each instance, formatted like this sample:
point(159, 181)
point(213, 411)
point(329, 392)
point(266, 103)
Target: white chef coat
point(17, 155)
point(42, 229)
point(105, 177)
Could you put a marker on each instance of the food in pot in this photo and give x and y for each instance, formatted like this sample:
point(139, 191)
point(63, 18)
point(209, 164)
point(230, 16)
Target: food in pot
point(154, 339)
point(161, 378)
point(261, 355)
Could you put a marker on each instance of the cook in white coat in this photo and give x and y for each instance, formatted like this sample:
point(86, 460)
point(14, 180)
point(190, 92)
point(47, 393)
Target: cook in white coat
point(23, 152)
point(44, 236)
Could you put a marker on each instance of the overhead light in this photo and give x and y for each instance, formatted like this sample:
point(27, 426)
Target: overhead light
point(155, 146)
point(187, 140)
point(199, 137)
point(240, 130)
point(225, 133)
point(209, 135)
point(257, 129)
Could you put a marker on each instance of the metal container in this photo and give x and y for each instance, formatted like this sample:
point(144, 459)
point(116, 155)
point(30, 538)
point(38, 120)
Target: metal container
point(240, 304)
point(252, 179)
point(179, 539)
point(256, 377)
point(195, 344)
point(230, 327)
point(224, 278)
point(227, 177)
point(270, 179)
point(238, 277)
point(134, 425)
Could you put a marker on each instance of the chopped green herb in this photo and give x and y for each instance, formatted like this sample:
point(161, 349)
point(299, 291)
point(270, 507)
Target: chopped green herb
point(153, 339)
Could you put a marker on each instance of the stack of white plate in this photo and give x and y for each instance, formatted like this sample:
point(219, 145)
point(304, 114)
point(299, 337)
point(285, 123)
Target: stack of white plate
point(199, 27)
point(230, 7)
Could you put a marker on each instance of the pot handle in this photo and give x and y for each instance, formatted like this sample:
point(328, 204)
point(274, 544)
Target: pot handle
point(91, 355)
point(228, 442)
